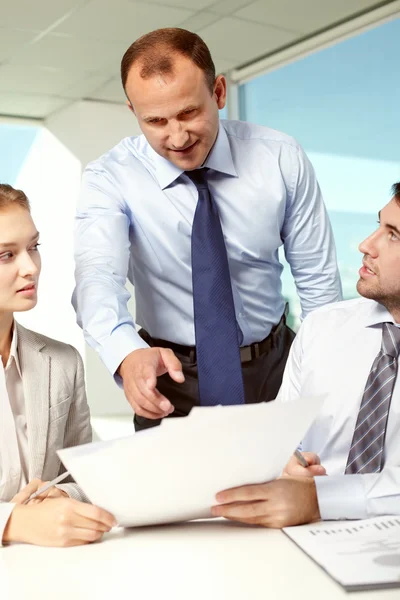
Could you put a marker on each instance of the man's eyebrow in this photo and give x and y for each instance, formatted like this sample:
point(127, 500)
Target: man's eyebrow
point(152, 118)
point(187, 108)
point(181, 112)
point(389, 226)
point(14, 244)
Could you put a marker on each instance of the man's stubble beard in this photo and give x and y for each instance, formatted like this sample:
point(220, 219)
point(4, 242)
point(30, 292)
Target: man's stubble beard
point(391, 301)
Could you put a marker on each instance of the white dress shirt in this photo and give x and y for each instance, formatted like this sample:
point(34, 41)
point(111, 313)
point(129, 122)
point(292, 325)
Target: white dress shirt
point(13, 431)
point(135, 220)
point(332, 355)
point(13, 440)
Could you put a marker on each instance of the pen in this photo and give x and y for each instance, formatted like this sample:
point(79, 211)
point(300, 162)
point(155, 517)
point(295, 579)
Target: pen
point(301, 459)
point(48, 485)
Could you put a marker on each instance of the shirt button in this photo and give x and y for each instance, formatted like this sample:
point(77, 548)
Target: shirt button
point(13, 472)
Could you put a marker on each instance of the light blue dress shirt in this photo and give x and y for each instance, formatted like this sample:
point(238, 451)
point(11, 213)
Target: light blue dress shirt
point(135, 219)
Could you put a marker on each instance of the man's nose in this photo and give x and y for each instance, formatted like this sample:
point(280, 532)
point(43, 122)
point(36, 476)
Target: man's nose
point(178, 136)
point(369, 245)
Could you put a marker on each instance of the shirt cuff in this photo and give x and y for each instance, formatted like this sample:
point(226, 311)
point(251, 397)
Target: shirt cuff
point(341, 497)
point(6, 509)
point(123, 340)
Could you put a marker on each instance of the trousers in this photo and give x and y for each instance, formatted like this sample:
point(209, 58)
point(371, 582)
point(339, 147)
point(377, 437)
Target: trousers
point(262, 375)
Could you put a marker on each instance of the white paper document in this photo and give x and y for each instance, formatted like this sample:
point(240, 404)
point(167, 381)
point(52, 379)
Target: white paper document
point(173, 472)
point(357, 554)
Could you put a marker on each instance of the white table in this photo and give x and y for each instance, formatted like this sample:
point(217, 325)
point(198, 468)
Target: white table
point(207, 560)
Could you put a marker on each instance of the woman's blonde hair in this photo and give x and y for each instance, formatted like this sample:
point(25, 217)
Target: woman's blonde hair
point(10, 196)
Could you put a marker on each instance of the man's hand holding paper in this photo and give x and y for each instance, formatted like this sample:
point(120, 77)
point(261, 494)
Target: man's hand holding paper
point(285, 501)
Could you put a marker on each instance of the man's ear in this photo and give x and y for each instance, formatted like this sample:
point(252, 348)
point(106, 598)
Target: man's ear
point(220, 91)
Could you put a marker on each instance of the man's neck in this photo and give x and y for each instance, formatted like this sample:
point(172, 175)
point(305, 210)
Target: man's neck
point(394, 311)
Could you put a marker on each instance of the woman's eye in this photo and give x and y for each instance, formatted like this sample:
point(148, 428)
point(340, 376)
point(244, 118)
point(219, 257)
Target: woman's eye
point(6, 256)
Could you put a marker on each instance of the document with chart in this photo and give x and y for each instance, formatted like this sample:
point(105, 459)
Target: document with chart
point(172, 472)
point(357, 554)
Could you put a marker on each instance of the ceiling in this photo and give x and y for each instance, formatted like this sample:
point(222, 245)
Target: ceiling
point(53, 52)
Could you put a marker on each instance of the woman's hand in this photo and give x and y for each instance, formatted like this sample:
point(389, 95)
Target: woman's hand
point(33, 487)
point(57, 522)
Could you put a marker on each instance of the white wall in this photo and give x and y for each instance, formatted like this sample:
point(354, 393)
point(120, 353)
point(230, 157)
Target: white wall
point(86, 130)
point(50, 178)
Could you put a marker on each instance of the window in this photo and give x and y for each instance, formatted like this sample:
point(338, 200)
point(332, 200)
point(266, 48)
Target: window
point(342, 105)
point(15, 144)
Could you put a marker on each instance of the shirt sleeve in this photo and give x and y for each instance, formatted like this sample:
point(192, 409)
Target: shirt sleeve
point(308, 239)
point(291, 386)
point(359, 496)
point(102, 250)
point(6, 509)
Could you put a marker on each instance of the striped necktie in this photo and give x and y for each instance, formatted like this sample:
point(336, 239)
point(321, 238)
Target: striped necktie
point(366, 452)
point(217, 333)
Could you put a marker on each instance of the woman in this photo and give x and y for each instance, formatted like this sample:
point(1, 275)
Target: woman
point(43, 404)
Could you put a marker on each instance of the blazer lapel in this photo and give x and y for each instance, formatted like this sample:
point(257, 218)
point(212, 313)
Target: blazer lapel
point(35, 369)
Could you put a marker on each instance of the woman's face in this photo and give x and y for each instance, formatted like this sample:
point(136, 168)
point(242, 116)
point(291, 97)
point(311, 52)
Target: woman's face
point(19, 260)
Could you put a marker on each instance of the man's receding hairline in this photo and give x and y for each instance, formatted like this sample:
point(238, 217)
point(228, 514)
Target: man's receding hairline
point(159, 47)
point(174, 56)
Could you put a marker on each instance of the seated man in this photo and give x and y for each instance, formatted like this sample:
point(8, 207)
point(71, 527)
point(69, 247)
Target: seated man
point(349, 352)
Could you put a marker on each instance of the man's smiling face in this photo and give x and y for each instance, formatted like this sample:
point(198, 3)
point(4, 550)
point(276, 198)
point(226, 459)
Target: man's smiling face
point(177, 112)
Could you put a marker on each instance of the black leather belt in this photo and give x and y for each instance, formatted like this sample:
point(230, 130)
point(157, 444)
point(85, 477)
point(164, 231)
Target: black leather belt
point(247, 353)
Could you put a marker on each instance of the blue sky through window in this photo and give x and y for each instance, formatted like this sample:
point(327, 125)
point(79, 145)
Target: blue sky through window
point(15, 144)
point(342, 105)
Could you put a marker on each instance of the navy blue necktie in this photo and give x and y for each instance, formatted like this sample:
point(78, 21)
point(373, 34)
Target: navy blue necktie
point(216, 329)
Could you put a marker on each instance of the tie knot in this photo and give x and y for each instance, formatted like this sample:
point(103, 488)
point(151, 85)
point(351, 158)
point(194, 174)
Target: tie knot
point(198, 176)
point(390, 339)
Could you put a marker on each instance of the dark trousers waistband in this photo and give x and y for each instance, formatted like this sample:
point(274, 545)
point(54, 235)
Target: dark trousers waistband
point(247, 353)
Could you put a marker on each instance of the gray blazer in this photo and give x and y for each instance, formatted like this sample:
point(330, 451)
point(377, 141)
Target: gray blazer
point(57, 412)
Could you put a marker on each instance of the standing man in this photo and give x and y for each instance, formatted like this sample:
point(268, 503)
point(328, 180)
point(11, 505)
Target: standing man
point(193, 213)
point(349, 353)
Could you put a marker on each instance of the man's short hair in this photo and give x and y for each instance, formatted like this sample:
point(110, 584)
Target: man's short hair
point(155, 51)
point(9, 196)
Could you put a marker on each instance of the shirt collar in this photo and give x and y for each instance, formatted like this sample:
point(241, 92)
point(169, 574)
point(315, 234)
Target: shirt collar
point(220, 159)
point(378, 314)
point(14, 350)
point(165, 171)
